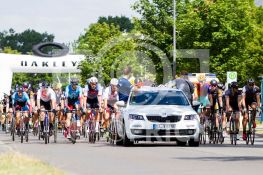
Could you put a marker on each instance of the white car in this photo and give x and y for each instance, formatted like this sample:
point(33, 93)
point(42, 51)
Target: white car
point(158, 114)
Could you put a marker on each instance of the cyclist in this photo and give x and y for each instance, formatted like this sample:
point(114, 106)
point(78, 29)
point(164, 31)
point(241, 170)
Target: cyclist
point(4, 109)
point(110, 97)
point(250, 100)
point(46, 100)
point(21, 102)
point(59, 102)
point(73, 100)
point(233, 102)
point(215, 98)
point(93, 98)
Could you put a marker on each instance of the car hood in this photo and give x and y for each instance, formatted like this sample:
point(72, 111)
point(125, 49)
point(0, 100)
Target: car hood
point(159, 109)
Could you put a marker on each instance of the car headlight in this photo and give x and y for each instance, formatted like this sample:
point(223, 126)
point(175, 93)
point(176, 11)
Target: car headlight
point(190, 117)
point(135, 117)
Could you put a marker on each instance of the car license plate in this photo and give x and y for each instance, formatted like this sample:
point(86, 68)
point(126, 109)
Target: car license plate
point(164, 126)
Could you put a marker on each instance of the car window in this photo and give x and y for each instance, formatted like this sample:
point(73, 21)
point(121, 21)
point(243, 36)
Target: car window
point(163, 97)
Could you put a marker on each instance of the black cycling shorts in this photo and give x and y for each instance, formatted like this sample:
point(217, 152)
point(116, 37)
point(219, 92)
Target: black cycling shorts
point(47, 105)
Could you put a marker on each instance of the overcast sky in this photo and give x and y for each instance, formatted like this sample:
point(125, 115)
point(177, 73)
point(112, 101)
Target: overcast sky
point(66, 19)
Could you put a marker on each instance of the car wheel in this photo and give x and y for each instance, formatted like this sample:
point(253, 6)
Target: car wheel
point(192, 143)
point(126, 141)
point(179, 143)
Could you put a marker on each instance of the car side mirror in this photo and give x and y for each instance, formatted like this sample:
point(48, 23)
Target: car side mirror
point(120, 103)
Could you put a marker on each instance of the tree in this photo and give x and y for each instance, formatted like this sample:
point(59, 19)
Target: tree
point(107, 50)
point(229, 29)
point(123, 22)
point(23, 42)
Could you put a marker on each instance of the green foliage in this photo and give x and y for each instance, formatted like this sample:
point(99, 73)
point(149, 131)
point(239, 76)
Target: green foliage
point(231, 30)
point(107, 51)
point(23, 42)
point(122, 22)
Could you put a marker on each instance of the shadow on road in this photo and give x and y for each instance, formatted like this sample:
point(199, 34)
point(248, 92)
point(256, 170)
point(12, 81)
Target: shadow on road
point(228, 158)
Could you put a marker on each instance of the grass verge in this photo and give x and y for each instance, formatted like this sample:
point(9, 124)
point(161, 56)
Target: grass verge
point(18, 164)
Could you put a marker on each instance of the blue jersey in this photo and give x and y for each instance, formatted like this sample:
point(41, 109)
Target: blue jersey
point(124, 89)
point(20, 101)
point(73, 94)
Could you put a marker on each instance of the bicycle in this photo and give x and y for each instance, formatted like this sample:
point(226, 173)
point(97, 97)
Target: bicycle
point(113, 132)
point(233, 128)
point(203, 126)
point(91, 124)
point(13, 127)
point(45, 131)
point(220, 137)
point(251, 130)
point(24, 127)
point(74, 126)
point(212, 130)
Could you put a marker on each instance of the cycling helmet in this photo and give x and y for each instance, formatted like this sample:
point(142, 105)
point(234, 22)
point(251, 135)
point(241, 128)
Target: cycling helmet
point(93, 80)
point(251, 81)
point(213, 83)
point(20, 89)
point(234, 84)
point(114, 81)
point(45, 84)
point(74, 81)
point(25, 85)
point(221, 86)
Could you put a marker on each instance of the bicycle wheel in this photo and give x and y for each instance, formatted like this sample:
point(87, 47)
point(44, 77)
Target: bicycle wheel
point(26, 135)
point(204, 135)
point(252, 140)
point(248, 137)
point(22, 137)
point(55, 130)
point(45, 137)
point(13, 129)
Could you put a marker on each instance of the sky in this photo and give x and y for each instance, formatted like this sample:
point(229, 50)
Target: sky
point(66, 19)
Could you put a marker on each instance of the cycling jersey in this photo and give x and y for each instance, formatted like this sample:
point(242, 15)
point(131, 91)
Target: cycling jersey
point(73, 96)
point(21, 103)
point(202, 93)
point(92, 96)
point(233, 98)
point(216, 93)
point(124, 89)
point(111, 97)
point(251, 94)
point(46, 95)
point(92, 93)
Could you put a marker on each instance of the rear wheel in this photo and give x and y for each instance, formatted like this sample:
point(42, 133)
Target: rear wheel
point(253, 136)
point(46, 137)
point(26, 135)
point(248, 137)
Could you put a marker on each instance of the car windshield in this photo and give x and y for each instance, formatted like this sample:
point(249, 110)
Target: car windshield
point(164, 97)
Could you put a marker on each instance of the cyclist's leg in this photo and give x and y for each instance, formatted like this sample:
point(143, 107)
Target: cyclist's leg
point(68, 121)
point(25, 109)
point(244, 123)
point(253, 114)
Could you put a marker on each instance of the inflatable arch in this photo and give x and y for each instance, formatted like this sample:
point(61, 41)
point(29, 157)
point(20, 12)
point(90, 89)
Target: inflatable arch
point(12, 63)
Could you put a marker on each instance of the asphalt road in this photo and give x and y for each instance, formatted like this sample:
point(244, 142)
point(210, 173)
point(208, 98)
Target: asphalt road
point(144, 158)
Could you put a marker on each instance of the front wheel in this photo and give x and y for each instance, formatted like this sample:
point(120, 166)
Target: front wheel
point(126, 141)
point(192, 143)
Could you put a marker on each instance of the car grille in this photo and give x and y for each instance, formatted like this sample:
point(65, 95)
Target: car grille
point(168, 119)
